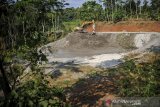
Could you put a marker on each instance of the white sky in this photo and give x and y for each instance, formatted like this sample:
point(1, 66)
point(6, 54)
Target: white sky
point(78, 3)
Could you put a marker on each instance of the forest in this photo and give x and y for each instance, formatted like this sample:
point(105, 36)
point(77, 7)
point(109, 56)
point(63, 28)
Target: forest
point(26, 25)
point(115, 10)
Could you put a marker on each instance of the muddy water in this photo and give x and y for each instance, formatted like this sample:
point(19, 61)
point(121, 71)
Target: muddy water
point(99, 49)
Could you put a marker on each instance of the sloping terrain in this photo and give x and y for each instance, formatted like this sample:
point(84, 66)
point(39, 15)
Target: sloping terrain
point(86, 44)
point(126, 26)
point(98, 50)
point(70, 56)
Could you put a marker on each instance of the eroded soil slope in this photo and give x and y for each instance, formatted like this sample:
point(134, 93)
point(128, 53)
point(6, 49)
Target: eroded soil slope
point(126, 26)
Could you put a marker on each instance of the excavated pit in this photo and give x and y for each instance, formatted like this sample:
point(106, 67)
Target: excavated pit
point(100, 49)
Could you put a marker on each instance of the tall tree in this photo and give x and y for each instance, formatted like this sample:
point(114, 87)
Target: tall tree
point(4, 12)
point(155, 6)
point(23, 22)
point(90, 10)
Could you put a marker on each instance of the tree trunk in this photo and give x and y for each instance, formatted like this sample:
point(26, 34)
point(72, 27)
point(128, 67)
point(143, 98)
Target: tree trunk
point(55, 36)
point(52, 24)
point(140, 10)
point(107, 15)
point(130, 7)
point(55, 22)
point(42, 28)
point(25, 40)
point(5, 83)
point(112, 8)
point(116, 7)
point(137, 9)
point(58, 23)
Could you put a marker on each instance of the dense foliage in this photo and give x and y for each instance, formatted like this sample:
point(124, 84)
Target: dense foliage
point(137, 79)
point(35, 93)
point(25, 26)
point(116, 10)
point(91, 9)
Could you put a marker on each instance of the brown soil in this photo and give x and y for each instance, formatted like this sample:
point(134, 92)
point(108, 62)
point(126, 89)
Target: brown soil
point(126, 26)
point(92, 92)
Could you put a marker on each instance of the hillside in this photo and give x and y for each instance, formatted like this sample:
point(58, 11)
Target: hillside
point(126, 26)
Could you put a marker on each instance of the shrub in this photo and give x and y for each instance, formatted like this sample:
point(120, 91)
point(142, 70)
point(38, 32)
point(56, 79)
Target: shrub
point(138, 80)
point(35, 93)
point(118, 16)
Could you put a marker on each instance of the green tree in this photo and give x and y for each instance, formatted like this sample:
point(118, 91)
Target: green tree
point(155, 9)
point(90, 10)
point(70, 14)
point(24, 26)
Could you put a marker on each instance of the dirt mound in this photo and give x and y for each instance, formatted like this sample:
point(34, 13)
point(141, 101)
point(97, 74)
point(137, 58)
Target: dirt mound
point(127, 26)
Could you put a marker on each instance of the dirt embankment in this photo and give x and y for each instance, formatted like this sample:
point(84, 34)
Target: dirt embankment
point(85, 44)
point(126, 26)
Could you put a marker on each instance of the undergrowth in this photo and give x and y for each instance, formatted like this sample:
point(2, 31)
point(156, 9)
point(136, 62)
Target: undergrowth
point(137, 79)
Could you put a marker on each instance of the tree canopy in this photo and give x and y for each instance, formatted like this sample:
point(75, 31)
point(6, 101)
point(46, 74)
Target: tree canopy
point(117, 10)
